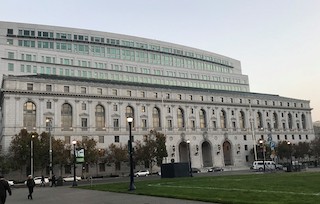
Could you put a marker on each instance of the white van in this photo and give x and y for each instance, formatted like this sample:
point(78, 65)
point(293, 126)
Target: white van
point(258, 165)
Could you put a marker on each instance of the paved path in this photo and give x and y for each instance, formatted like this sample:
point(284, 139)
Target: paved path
point(69, 195)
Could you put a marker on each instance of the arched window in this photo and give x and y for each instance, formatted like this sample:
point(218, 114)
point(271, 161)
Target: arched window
point(303, 121)
point(275, 121)
point(203, 119)
point(156, 118)
point(290, 121)
point(130, 113)
point(100, 117)
point(259, 120)
point(29, 115)
point(180, 118)
point(242, 121)
point(66, 117)
point(223, 119)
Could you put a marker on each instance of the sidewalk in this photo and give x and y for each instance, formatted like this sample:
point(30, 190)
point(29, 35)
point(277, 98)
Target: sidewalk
point(67, 194)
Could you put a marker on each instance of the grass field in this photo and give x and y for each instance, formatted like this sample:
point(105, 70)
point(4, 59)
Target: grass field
point(283, 188)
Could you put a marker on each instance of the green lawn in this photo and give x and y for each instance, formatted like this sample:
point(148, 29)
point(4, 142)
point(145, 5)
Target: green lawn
point(283, 188)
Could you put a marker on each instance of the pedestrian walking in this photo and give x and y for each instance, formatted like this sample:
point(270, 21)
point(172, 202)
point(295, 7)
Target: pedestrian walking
point(42, 182)
point(30, 185)
point(53, 181)
point(4, 187)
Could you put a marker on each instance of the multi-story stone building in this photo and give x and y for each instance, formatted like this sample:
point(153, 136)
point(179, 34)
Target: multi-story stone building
point(88, 82)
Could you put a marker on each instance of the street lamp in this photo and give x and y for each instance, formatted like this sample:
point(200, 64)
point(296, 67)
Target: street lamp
point(261, 141)
point(131, 187)
point(290, 155)
point(189, 158)
point(49, 125)
point(74, 163)
point(31, 155)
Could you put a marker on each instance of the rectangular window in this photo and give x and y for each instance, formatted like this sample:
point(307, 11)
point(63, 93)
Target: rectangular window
point(84, 106)
point(84, 124)
point(193, 125)
point(246, 147)
point(144, 124)
point(128, 93)
point(48, 88)
point(143, 109)
point(116, 124)
point(244, 137)
point(116, 139)
point(114, 92)
point(99, 91)
point(11, 55)
point(115, 107)
point(278, 137)
point(169, 124)
point(143, 94)
point(83, 90)
point(67, 139)
point(102, 167)
point(214, 124)
point(66, 89)
point(292, 137)
point(101, 139)
point(48, 104)
point(9, 41)
point(10, 67)
point(29, 86)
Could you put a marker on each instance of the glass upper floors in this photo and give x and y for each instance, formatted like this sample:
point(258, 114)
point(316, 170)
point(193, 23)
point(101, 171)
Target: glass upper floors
point(73, 52)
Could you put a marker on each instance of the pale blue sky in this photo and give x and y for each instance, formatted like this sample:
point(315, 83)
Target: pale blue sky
point(277, 42)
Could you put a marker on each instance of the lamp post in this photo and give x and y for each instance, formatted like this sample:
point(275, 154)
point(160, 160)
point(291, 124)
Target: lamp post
point(189, 158)
point(49, 123)
point(74, 163)
point(132, 186)
point(261, 141)
point(290, 155)
point(31, 155)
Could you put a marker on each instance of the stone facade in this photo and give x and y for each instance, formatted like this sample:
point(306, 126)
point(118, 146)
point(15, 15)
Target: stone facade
point(210, 143)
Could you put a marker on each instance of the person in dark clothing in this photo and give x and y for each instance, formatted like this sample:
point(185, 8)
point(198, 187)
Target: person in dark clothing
point(53, 181)
point(30, 185)
point(42, 181)
point(4, 187)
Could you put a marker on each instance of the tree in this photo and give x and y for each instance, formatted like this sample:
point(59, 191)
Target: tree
point(117, 154)
point(19, 150)
point(4, 164)
point(301, 150)
point(283, 150)
point(161, 147)
point(61, 154)
point(152, 149)
point(315, 147)
point(91, 153)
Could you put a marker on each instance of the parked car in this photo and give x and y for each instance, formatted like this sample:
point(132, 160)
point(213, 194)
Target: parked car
point(279, 167)
point(215, 169)
point(195, 170)
point(11, 183)
point(261, 165)
point(142, 173)
point(37, 180)
point(71, 178)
